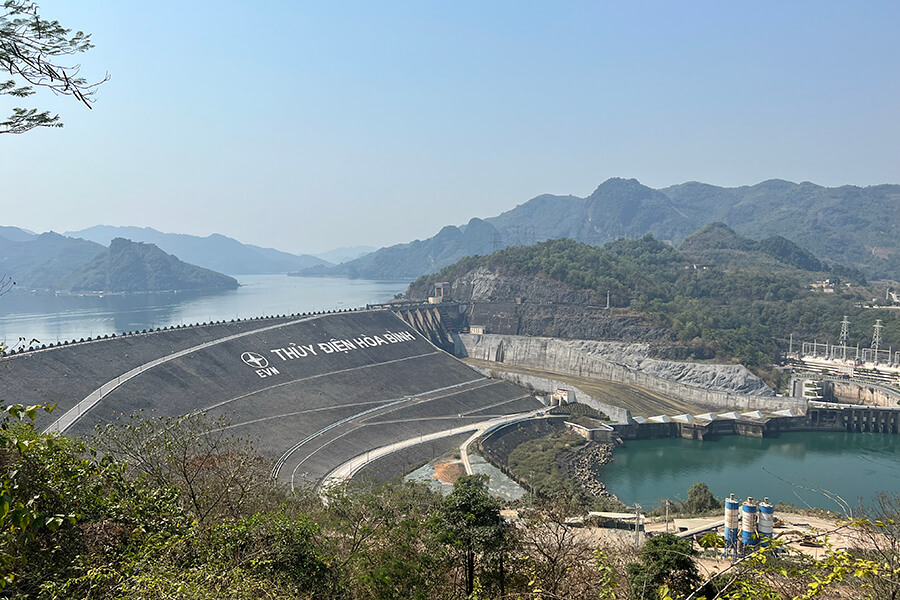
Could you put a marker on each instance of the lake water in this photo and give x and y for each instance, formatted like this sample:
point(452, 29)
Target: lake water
point(801, 468)
point(51, 318)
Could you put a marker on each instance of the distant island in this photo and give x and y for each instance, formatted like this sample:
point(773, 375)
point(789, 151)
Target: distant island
point(129, 267)
point(56, 263)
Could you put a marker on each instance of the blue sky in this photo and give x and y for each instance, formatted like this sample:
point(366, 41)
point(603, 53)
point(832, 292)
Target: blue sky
point(308, 126)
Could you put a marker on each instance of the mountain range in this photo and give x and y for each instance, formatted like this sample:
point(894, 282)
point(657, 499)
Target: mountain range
point(856, 226)
point(216, 252)
point(53, 262)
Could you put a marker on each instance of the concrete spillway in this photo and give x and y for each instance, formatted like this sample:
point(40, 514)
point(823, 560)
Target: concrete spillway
point(313, 391)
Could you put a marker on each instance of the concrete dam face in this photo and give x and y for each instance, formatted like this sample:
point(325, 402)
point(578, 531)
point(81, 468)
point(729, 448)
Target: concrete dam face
point(311, 391)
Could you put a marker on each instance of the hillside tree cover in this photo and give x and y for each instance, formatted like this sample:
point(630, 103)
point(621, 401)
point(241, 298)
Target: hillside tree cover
point(745, 315)
point(78, 523)
point(32, 51)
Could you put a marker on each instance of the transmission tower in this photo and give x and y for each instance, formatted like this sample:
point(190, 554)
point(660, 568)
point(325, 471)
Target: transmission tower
point(845, 333)
point(876, 338)
point(496, 242)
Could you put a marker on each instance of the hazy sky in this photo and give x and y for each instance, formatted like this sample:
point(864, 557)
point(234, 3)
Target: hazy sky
point(307, 126)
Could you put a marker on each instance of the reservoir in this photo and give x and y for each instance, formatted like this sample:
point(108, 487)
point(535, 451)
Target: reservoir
point(51, 318)
point(807, 469)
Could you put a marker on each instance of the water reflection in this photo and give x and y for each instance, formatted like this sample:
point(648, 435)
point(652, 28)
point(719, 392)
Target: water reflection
point(52, 318)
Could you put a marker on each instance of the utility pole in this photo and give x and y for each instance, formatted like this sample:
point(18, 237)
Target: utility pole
point(667, 515)
point(607, 299)
point(637, 526)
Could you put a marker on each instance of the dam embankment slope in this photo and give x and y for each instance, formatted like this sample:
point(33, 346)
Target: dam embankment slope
point(312, 390)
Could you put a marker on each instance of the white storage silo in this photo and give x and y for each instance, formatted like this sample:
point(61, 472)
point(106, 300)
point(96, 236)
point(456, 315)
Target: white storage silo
point(732, 522)
point(748, 523)
point(766, 522)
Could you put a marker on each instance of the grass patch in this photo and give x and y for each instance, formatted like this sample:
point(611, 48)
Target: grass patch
point(576, 410)
point(535, 463)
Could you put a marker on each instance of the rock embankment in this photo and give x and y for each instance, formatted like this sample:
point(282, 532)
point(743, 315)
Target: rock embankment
point(584, 465)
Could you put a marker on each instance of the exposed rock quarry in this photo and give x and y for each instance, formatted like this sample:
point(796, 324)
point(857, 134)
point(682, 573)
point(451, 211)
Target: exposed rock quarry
point(608, 360)
point(537, 306)
point(728, 378)
point(483, 285)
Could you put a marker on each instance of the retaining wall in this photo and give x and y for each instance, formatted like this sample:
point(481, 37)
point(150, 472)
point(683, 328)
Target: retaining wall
point(564, 356)
point(861, 393)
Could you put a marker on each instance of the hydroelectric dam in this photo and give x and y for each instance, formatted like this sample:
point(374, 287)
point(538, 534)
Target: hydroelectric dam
point(311, 391)
point(319, 393)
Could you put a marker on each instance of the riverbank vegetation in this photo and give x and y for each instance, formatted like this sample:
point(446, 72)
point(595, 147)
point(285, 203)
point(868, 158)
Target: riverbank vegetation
point(535, 463)
point(76, 522)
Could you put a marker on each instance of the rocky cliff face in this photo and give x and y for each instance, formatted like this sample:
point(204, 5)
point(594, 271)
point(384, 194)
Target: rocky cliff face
point(727, 378)
point(566, 321)
point(537, 306)
point(616, 361)
point(483, 285)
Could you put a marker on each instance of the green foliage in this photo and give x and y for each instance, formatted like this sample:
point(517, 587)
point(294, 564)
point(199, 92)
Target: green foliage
point(30, 47)
point(700, 499)
point(739, 314)
point(65, 510)
point(577, 409)
point(471, 525)
point(266, 546)
point(536, 463)
point(665, 560)
point(386, 538)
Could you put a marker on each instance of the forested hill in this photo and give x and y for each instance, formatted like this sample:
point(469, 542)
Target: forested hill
point(39, 262)
point(737, 313)
point(128, 266)
point(52, 262)
point(720, 245)
point(858, 227)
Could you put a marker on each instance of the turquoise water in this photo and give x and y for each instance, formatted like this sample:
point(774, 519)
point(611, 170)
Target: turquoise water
point(802, 468)
point(50, 318)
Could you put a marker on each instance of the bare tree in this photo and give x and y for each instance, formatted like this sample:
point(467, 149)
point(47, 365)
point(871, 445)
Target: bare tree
point(215, 472)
